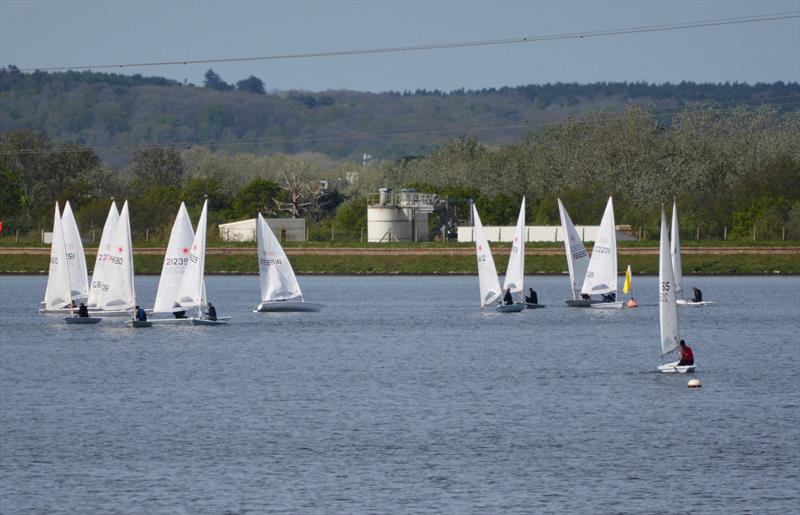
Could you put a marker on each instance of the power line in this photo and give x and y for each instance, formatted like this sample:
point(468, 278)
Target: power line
point(463, 44)
point(598, 118)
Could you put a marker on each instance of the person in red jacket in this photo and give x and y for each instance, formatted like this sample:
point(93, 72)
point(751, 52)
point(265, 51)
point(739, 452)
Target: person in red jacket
point(687, 356)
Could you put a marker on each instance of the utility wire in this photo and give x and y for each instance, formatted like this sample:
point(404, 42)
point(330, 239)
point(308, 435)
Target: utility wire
point(439, 46)
point(592, 119)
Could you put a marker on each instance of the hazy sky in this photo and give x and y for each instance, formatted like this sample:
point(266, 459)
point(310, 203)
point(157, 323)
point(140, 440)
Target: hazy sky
point(72, 33)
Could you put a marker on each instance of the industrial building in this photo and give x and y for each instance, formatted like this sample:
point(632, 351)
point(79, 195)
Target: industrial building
point(401, 216)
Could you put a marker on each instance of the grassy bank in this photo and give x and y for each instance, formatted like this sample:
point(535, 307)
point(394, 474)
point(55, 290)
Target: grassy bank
point(706, 264)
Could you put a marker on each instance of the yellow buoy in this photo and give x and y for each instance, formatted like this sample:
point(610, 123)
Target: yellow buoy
point(695, 383)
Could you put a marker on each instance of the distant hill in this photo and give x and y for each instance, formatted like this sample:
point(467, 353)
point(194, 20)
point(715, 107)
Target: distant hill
point(114, 113)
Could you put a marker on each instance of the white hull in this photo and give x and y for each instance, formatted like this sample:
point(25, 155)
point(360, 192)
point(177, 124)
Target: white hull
point(189, 321)
point(510, 308)
point(608, 305)
point(287, 305)
point(690, 303)
point(673, 368)
point(82, 320)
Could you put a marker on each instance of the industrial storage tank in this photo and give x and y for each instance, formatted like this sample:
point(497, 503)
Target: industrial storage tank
point(397, 217)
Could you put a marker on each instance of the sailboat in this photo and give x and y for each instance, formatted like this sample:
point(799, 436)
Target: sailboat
point(515, 273)
point(120, 294)
point(487, 273)
point(667, 307)
point(280, 290)
point(601, 275)
point(191, 293)
point(58, 294)
point(175, 262)
point(677, 266)
point(76, 259)
point(99, 273)
point(577, 259)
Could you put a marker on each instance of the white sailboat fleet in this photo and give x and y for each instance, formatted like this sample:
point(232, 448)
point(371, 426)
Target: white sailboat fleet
point(280, 291)
point(487, 272)
point(595, 275)
point(675, 249)
point(667, 306)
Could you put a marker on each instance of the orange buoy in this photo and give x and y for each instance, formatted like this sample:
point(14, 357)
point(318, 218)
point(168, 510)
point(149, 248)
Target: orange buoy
point(632, 303)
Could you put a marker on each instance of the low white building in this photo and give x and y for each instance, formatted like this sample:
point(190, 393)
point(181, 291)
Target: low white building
point(285, 229)
point(540, 233)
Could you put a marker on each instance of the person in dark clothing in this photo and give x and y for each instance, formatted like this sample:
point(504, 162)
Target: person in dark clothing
point(532, 298)
point(83, 311)
point(212, 312)
point(179, 314)
point(610, 297)
point(586, 296)
point(141, 315)
point(687, 356)
point(507, 298)
point(698, 295)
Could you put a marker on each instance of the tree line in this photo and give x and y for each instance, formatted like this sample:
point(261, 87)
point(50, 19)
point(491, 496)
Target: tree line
point(732, 170)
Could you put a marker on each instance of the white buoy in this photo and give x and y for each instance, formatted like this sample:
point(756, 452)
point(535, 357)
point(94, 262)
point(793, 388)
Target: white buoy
point(695, 383)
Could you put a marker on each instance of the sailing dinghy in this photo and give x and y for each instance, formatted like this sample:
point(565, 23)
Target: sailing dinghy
point(99, 281)
point(175, 262)
point(667, 307)
point(76, 259)
point(487, 272)
point(601, 275)
point(677, 266)
point(577, 259)
point(191, 291)
point(280, 290)
point(515, 273)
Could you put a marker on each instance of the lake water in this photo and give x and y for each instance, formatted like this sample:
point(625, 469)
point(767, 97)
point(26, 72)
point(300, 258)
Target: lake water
point(401, 397)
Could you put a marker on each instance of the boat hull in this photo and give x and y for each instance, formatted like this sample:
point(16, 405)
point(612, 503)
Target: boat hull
point(673, 368)
point(189, 321)
point(534, 306)
point(82, 320)
point(580, 303)
point(608, 305)
point(692, 304)
point(139, 323)
point(287, 306)
point(510, 308)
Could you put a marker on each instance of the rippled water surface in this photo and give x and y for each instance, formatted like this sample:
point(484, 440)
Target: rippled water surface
point(401, 397)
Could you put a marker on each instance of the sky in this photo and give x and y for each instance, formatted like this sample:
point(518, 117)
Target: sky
point(37, 34)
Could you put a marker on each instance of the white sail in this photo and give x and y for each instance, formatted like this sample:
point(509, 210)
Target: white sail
point(99, 281)
point(120, 294)
point(76, 260)
point(275, 273)
point(577, 257)
point(487, 273)
point(175, 262)
point(515, 273)
point(667, 308)
point(58, 292)
point(675, 249)
point(601, 276)
point(191, 293)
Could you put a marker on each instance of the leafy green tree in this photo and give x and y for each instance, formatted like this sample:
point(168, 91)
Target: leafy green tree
point(214, 81)
point(258, 196)
point(251, 84)
point(156, 167)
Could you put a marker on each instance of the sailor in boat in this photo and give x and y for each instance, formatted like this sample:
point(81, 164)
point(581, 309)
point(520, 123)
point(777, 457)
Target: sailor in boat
point(533, 298)
point(141, 315)
point(609, 297)
point(507, 298)
point(698, 295)
point(212, 312)
point(83, 311)
point(179, 314)
point(687, 356)
point(586, 296)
